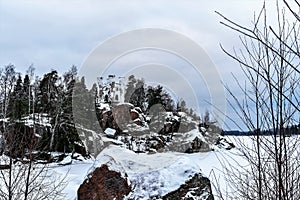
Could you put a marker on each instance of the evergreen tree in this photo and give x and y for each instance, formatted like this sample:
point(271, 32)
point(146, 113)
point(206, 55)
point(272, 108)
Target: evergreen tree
point(27, 95)
point(156, 95)
point(17, 101)
point(84, 103)
point(66, 132)
point(16, 136)
point(69, 79)
point(63, 135)
point(138, 96)
point(130, 88)
point(49, 100)
point(183, 107)
point(48, 94)
point(191, 112)
point(167, 101)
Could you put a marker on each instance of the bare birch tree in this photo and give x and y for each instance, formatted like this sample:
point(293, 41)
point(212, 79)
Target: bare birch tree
point(269, 58)
point(21, 177)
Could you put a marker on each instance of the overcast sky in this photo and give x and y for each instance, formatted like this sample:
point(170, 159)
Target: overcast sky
point(58, 34)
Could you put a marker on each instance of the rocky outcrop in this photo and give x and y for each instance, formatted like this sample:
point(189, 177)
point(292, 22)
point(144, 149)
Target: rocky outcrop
point(121, 117)
point(103, 184)
point(198, 145)
point(198, 187)
point(159, 131)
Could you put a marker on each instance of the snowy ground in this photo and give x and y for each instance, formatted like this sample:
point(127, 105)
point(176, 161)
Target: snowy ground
point(76, 173)
point(165, 172)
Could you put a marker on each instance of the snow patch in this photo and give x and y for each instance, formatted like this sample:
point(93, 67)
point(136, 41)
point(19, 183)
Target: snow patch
point(67, 160)
point(110, 132)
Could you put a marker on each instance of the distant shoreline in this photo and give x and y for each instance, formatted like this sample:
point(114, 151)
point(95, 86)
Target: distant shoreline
point(252, 133)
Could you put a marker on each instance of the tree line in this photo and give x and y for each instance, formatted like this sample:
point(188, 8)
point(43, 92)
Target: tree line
point(145, 97)
point(38, 108)
point(38, 111)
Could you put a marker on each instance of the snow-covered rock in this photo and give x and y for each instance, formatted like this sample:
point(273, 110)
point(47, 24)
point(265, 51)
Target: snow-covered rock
point(92, 140)
point(150, 176)
point(196, 188)
point(104, 107)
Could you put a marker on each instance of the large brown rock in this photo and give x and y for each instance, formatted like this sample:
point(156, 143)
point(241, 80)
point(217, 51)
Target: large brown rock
point(104, 184)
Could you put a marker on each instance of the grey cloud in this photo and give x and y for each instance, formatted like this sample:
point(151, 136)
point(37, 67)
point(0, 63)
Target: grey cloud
point(57, 34)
